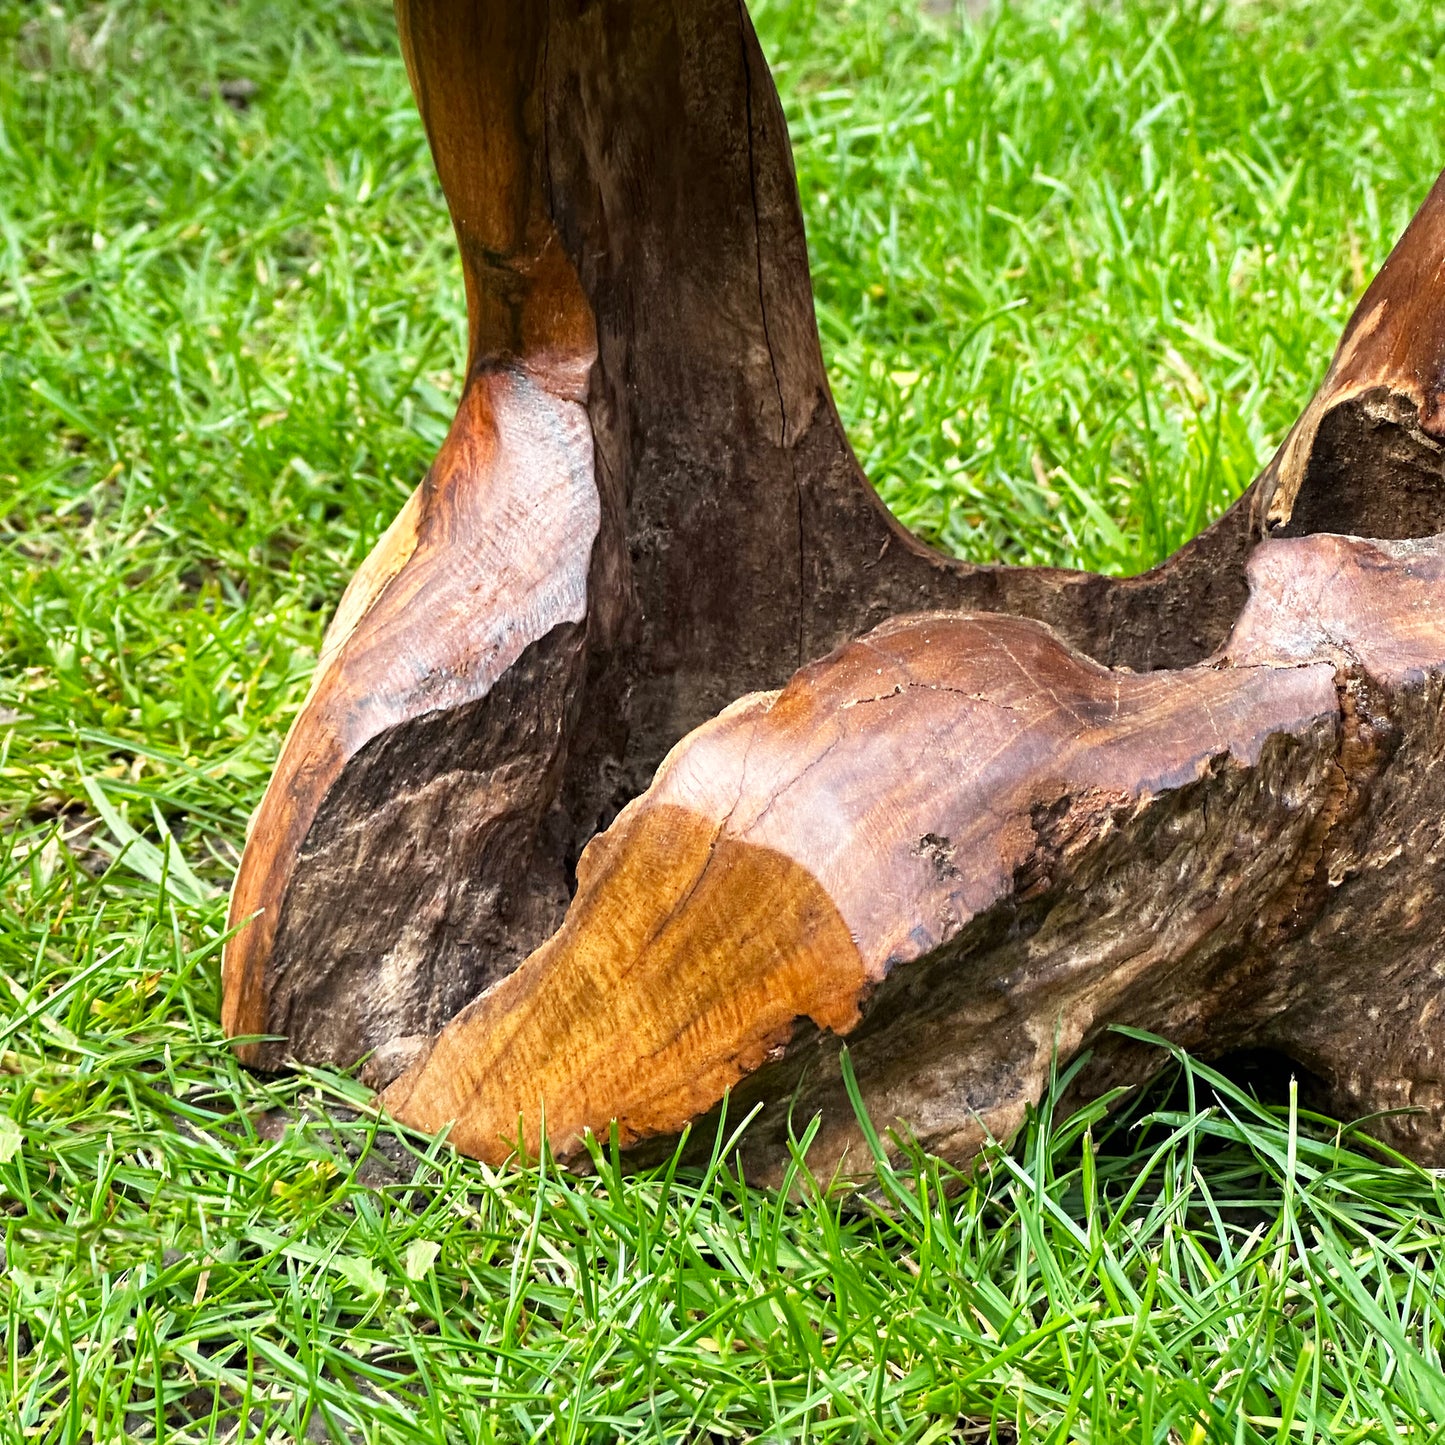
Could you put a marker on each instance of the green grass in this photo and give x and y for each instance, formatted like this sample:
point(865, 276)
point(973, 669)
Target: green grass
point(1077, 269)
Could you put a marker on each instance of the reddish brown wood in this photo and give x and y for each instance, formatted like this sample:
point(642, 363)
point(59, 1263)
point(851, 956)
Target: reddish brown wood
point(645, 509)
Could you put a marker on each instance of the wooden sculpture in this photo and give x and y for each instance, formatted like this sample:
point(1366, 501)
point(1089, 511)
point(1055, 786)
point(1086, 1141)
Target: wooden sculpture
point(1007, 808)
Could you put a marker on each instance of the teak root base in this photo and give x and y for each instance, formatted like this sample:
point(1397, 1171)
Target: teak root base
point(1008, 808)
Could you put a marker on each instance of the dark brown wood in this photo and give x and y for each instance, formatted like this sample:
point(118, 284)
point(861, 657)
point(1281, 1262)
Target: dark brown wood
point(646, 509)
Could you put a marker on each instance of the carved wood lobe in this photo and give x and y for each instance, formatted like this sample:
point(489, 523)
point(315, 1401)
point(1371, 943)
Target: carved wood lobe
point(1069, 847)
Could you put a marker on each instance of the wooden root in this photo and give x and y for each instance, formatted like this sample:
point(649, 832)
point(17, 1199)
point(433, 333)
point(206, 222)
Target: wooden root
point(961, 846)
point(1026, 804)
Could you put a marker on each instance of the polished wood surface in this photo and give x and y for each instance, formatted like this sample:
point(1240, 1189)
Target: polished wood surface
point(646, 509)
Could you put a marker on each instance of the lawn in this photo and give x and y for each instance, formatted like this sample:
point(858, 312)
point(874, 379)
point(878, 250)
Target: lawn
point(1078, 265)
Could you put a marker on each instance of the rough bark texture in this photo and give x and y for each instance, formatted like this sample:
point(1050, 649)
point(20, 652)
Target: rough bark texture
point(645, 509)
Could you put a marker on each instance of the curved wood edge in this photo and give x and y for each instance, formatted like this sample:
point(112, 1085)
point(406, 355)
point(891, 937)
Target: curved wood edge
point(487, 564)
point(1366, 455)
point(964, 847)
point(646, 507)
